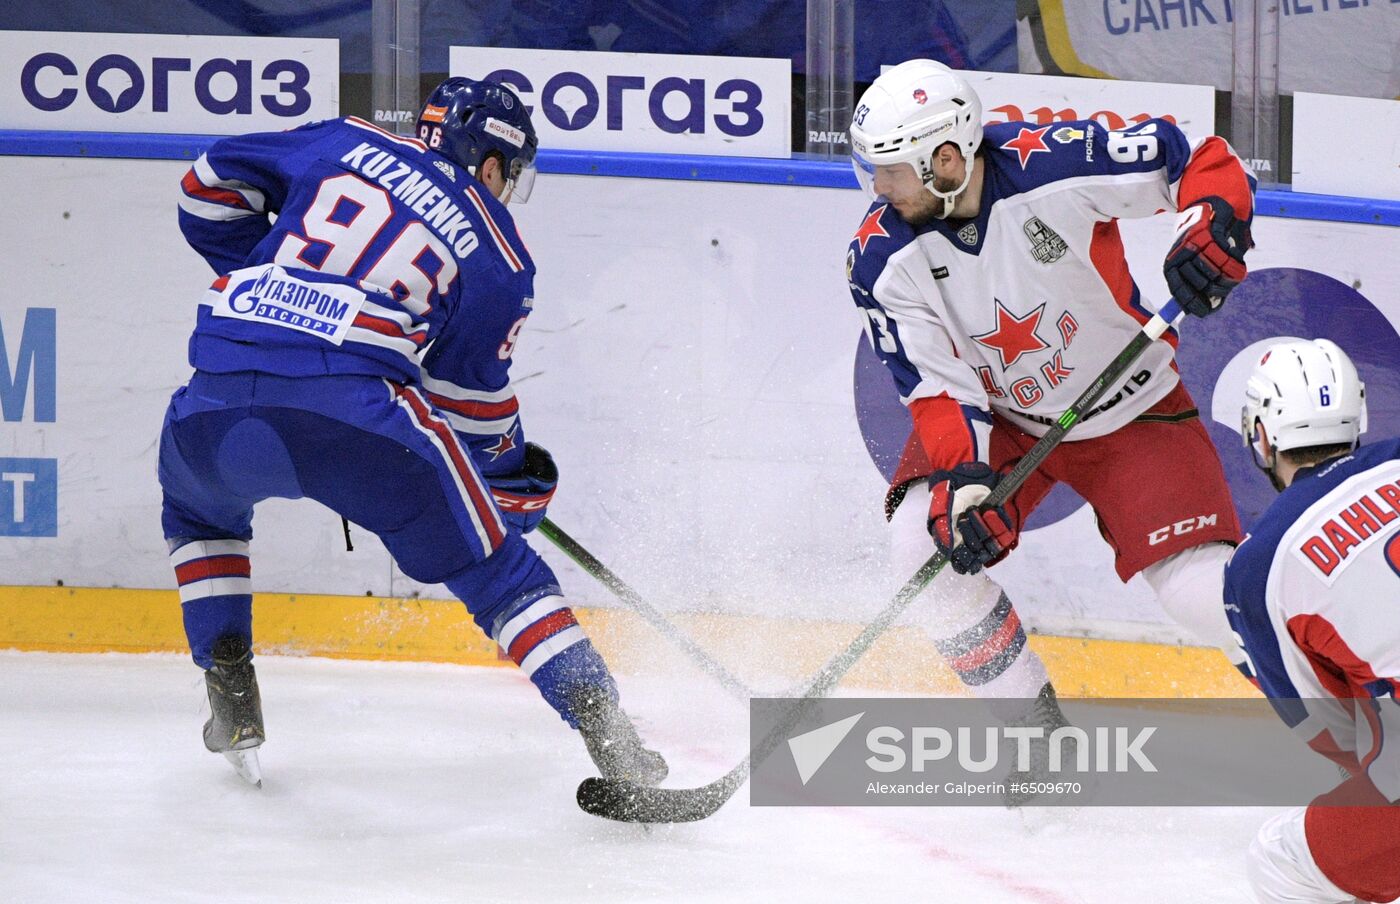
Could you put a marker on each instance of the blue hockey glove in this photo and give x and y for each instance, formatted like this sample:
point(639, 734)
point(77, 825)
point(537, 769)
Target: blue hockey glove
point(523, 495)
point(984, 534)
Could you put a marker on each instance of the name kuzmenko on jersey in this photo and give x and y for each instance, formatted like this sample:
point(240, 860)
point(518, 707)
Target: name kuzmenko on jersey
point(417, 191)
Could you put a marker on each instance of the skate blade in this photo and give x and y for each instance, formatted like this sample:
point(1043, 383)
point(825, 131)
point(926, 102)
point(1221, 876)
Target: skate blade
point(245, 763)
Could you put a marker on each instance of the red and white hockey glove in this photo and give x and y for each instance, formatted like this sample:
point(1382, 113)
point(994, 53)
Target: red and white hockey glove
point(1207, 259)
point(970, 534)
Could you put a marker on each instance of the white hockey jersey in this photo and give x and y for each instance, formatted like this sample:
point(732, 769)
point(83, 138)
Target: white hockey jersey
point(1018, 309)
point(1313, 595)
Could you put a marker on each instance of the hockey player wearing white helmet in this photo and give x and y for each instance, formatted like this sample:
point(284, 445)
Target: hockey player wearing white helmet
point(992, 283)
point(1311, 596)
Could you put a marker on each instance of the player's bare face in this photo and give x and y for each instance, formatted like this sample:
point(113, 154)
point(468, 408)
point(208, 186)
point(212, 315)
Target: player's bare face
point(905, 192)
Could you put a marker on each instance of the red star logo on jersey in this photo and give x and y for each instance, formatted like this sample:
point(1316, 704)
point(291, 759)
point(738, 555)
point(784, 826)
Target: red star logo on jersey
point(1028, 142)
point(504, 444)
point(1014, 336)
point(871, 228)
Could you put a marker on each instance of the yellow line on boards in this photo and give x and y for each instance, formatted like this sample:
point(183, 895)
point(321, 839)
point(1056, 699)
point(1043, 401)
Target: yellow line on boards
point(92, 620)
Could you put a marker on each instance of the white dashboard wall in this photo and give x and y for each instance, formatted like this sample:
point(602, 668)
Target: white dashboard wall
point(689, 363)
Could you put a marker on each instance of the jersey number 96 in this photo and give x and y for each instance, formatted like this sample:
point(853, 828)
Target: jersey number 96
point(348, 215)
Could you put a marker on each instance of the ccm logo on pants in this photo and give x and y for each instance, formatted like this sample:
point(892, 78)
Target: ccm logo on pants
point(1184, 526)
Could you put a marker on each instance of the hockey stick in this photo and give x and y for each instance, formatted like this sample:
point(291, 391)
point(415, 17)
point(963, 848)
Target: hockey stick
point(630, 802)
point(589, 563)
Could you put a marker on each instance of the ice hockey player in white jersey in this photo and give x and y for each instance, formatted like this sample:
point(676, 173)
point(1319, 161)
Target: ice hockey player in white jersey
point(991, 280)
point(1312, 593)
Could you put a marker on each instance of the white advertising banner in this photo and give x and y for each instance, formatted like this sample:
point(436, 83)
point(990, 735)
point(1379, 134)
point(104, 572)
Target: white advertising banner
point(1346, 146)
point(1008, 97)
point(645, 102)
point(213, 85)
point(694, 363)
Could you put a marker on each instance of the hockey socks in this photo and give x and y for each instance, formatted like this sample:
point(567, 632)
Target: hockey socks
point(541, 635)
point(969, 618)
point(216, 593)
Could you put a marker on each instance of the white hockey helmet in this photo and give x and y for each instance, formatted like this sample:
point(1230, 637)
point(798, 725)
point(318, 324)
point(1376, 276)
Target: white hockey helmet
point(1304, 393)
point(906, 115)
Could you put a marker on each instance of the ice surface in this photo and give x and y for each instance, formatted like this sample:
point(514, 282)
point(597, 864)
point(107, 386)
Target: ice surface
point(411, 782)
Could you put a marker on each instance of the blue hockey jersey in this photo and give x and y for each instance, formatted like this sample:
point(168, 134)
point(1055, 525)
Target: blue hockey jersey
point(384, 259)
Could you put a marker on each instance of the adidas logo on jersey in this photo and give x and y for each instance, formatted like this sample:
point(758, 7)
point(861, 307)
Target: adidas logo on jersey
point(447, 169)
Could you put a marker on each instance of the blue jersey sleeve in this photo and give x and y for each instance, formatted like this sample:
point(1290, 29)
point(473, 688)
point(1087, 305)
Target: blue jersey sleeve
point(227, 195)
point(1109, 166)
point(467, 373)
point(1246, 607)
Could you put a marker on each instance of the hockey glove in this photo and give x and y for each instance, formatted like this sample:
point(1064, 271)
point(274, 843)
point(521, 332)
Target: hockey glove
point(971, 535)
point(523, 495)
point(1207, 259)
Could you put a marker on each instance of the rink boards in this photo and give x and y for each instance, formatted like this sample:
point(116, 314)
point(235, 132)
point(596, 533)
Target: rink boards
point(92, 620)
point(694, 365)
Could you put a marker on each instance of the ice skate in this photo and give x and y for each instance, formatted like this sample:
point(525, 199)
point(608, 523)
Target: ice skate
point(235, 726)
point(612, 740)
point(1044, 713)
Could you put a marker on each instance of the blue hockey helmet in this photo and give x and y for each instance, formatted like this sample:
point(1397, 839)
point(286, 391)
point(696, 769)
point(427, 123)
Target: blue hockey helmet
point(466, 121)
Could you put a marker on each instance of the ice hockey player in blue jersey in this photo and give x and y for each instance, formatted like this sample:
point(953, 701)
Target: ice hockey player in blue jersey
point(1311, 594)
point(356, 351)
point(991, 281)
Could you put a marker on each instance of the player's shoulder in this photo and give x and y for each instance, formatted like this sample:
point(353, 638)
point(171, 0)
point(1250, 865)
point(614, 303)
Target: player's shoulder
point(274, 145)
point(881, 233)
point(1254, 558)
point(1028, 155)
point(500, 233)
point(352, 132)
point(1314, 485)
point(374, 153)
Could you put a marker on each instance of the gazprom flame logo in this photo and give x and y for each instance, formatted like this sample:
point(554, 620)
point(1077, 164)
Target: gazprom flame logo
point(246, 297)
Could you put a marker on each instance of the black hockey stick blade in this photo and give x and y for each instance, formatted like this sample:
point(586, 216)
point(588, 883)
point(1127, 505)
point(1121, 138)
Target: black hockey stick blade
point(630, 802)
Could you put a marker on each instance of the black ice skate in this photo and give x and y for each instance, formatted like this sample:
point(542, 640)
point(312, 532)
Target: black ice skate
point(612, 740)
point(1044, 713)
point(235, 726)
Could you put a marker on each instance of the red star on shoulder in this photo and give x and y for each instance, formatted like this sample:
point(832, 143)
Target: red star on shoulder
point(1013, 336)
point(1028, 142)
point(503, 445)
point(871, 228)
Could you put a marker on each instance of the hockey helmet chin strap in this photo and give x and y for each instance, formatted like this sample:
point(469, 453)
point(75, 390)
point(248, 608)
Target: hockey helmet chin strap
point(950, 198)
